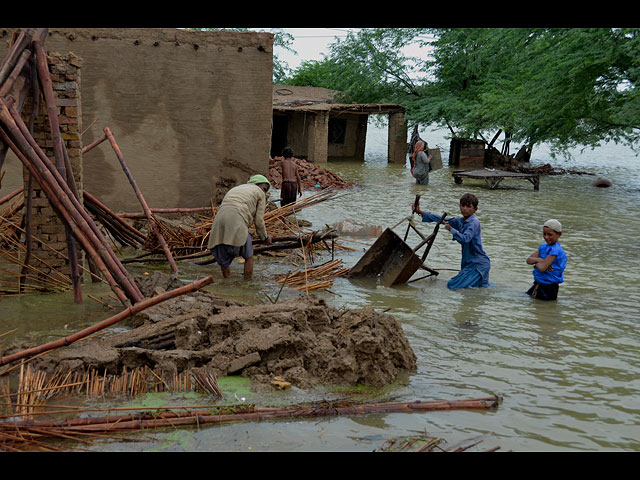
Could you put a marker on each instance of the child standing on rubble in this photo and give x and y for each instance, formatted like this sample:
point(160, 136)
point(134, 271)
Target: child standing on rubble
point(549, 262)
point(475, 263)
point(291, 182)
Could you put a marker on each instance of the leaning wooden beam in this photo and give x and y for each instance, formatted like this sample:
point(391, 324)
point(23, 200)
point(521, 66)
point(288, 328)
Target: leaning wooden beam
point(52, 114)
point(65, 197)
point(91, 146)
point(35, 108)
point(132, 310)
point(8, 197)
point(6, 87)
point(143, 203)
point(58, 200)
point(22, 42)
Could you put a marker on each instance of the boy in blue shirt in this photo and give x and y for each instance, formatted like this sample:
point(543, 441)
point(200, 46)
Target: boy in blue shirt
point(475, 263)
point(549, 262)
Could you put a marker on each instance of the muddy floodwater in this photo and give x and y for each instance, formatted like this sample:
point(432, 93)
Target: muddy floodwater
point(568, 371)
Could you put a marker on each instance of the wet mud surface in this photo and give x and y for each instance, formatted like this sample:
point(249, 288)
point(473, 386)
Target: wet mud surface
point(303, 340)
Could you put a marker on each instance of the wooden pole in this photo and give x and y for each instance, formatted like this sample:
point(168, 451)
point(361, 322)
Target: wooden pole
point(16, 126)
point(131, 310)
point(143, 203)
point(91, 146)
point(35, 89)
point(8, 197)
point(140, 421)
point(63, 167)
point(65, 215)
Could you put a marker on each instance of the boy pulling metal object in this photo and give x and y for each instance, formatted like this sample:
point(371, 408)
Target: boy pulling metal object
point(391, 259)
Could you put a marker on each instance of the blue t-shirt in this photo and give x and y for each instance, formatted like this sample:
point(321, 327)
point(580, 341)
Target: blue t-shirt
point(556, 274)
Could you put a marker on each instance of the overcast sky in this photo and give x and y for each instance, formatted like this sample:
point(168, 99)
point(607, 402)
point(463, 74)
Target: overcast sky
point(310, 43)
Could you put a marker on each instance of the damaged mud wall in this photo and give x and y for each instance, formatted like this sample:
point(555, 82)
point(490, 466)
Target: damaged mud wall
point(191, 111)
point(46, 225)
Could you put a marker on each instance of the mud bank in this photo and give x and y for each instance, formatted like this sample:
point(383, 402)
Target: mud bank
point(304, 341)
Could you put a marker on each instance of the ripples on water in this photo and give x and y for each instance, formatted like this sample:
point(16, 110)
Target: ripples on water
point(568, 370)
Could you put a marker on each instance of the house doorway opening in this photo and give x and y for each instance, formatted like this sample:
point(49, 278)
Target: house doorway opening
point(279, 135)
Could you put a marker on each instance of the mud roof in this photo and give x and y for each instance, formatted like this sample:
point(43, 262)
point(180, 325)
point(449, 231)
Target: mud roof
point(289, 98)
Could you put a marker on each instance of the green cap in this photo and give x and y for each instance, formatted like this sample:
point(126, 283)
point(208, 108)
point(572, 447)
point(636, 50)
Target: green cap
point(259, 179)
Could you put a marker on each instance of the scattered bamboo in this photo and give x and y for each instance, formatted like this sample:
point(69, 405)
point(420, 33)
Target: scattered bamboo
point(17, 434)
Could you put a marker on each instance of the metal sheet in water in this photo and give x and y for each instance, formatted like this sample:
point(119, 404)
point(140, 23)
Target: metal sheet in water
point(390, 258)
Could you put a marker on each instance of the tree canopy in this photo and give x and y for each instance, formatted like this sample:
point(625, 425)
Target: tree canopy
point(564, 87)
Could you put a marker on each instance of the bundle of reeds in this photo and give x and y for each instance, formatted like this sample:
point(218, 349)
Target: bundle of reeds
point(119, 229)
point(314, 278)
point(36, 387)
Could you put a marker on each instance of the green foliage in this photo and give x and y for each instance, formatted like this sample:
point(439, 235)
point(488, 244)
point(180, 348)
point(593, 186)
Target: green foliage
point(565, 87)
point(366, 68)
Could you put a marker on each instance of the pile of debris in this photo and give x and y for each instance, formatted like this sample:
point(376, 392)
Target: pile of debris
point(304, 341)
point(312, 176)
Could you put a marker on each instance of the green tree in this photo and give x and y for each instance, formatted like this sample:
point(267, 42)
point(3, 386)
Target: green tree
point(565, 87)
point(366, 67)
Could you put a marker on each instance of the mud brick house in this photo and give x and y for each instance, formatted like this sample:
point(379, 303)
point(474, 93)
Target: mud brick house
point(319, 129)
point(191, 111)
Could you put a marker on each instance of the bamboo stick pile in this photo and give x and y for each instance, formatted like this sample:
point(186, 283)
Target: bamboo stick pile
point(25, 72)
point(119, 229)
point(314, 278)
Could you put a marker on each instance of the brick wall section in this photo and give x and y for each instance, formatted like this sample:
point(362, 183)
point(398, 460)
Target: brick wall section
point(47, 227)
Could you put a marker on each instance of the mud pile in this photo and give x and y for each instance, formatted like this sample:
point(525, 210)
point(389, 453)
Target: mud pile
point(304, 341)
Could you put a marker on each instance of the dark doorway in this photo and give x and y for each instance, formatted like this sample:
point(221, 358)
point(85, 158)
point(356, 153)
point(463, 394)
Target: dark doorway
point(279, 135)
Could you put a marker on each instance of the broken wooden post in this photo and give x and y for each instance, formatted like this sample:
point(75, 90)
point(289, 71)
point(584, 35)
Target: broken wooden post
point(143, 203)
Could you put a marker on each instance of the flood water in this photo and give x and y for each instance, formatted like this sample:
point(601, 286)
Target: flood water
point(568, 371)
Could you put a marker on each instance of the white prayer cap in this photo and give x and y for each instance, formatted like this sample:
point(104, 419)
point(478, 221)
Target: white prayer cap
point(553, 224)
